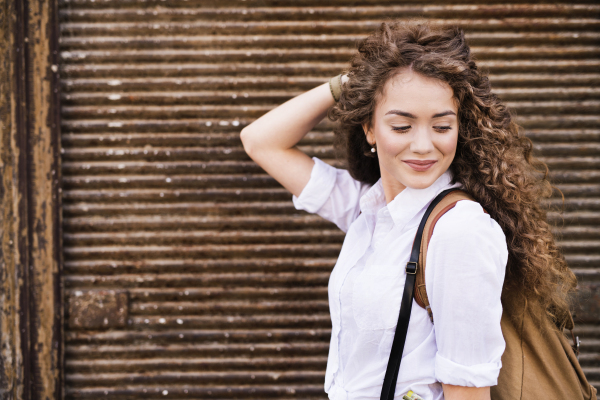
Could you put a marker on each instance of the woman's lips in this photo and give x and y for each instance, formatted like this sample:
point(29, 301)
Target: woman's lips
point(420, 165)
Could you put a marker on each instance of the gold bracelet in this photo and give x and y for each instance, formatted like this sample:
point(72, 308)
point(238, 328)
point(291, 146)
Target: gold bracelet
point(335, 85)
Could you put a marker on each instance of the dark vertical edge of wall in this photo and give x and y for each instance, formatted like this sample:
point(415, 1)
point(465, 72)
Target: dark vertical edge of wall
point(54, 115)
point(20, 151)
point(12, 368)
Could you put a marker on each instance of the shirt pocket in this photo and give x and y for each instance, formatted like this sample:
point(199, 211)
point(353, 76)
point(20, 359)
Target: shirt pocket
point(376, 296)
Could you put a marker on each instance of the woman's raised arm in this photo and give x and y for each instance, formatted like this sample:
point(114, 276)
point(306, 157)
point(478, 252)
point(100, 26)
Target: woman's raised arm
point(270, 140)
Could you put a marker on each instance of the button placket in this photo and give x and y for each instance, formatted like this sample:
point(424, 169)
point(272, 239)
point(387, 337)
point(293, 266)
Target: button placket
point(339, 282)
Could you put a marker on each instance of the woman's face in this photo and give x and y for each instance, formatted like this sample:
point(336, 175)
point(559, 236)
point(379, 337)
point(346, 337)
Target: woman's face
point(415, 131)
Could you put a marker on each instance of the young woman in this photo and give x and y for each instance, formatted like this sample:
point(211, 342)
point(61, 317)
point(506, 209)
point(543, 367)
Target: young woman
point(416, 117)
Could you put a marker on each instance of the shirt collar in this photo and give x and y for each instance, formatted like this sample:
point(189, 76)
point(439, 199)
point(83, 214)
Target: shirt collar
point(408, 202)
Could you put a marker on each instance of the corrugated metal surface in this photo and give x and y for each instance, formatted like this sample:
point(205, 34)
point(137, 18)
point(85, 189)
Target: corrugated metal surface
point(215, 287)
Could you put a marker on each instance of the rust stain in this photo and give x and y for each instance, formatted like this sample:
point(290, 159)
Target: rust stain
point(97, 309)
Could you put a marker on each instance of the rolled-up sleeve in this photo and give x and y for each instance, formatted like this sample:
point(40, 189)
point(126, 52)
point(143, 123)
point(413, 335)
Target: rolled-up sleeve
point(331, 193)
point(466, 262)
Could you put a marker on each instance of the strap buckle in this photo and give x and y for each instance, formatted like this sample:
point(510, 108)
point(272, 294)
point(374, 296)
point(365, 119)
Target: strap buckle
point(411, 267)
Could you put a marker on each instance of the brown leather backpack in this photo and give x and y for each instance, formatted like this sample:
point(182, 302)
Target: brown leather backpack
point(538, 362)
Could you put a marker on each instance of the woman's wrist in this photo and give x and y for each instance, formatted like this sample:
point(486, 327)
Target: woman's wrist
point(335, 85)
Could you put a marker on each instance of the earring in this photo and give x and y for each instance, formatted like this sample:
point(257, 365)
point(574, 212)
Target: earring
point(372, 152)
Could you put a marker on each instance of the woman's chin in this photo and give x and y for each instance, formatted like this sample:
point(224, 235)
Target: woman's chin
point(421, 180)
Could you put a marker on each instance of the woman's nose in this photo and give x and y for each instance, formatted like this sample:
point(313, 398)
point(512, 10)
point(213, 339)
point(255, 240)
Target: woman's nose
point(421, 143)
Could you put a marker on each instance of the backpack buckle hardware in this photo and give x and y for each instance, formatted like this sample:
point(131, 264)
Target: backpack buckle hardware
point(411, 267)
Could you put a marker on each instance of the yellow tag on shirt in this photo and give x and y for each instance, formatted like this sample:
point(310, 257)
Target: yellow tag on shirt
point(411, 396)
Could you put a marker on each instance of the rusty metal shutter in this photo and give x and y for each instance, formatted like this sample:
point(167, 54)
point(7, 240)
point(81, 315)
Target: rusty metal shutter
point(188, 272)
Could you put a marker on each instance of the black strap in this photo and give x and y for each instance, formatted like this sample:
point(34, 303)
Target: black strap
point(391, 374)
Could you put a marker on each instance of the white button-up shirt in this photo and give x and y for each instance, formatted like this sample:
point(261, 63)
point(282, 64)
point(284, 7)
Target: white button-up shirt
point(466, 262)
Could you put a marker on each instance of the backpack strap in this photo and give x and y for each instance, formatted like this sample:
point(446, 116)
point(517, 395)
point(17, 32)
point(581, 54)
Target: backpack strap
point(445, 205)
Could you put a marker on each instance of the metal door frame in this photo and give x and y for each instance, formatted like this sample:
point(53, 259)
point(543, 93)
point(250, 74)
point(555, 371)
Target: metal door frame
point(31, 320)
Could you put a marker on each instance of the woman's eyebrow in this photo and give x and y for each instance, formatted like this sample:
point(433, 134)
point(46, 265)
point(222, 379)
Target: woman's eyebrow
point(443, 113)
point(409, 115)
point(403, 113)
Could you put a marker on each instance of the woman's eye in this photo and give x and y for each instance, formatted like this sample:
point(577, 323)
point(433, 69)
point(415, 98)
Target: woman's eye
point(401, 128)
point(442, 128)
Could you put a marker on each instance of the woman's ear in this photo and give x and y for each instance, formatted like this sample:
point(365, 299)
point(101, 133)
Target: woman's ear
point(369, 134)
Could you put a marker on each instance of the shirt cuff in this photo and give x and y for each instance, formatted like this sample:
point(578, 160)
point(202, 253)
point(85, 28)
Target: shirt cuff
point(318, 188)
point(478, 375)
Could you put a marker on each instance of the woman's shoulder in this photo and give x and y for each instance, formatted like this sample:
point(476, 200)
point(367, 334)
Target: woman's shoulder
point(469, 222)
point(467, 240)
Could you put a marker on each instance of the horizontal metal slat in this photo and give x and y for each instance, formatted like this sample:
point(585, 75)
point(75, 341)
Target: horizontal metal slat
point(314, 321)
point(252, 392)
point(196, 265)
point(575, 176)
point(563, 135)
point(175, 139)
point(112, 195)
point(188, 98)
point(187, 125)
point(228, 307)
point(160, 140)
point(236, 208)
point(211, 208)
point(584, 264)
point(329, 13)
point(186, 280)
point(234, 292)
point(203, 251)
point(171, 181)
point(196, 378)
point(202, 237)
point(198, 364)
point(259, 180)
point(160, 170)
point(188, 350)
point(285, 222)
point(336, 54)
point(242, 84)
point(582, 218)
point(365, 26)
point(200, 336)
point(87, 43)
point(575, 163)
point(579, 232)
point(589, 247)
point(591, 107)
point(568, 149)
point(83, 168)
point(579, 190)
point(166, 69)
point(100, 4)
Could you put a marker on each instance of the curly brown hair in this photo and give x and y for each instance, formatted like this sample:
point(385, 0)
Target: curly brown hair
point(493, 161)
